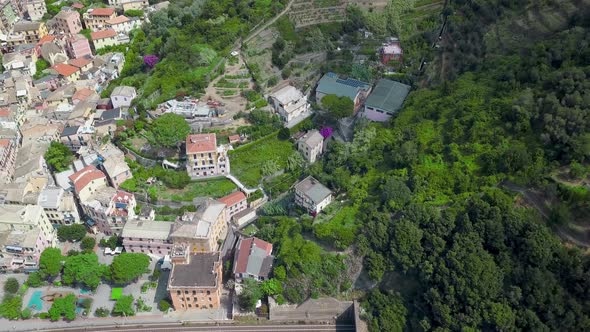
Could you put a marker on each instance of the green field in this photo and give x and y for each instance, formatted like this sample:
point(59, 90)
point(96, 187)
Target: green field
point(214, 188)
point(247, 161)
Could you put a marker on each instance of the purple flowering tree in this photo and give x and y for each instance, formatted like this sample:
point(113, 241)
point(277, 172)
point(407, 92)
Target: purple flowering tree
point(151, 60)
point(326, 132)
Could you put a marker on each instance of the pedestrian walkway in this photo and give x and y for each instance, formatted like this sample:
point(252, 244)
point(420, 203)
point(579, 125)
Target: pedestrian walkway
point(242, 187)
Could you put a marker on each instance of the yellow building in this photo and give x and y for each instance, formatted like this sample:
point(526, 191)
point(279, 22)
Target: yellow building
point(27, 33)
point(203, 230)
point(204, 157)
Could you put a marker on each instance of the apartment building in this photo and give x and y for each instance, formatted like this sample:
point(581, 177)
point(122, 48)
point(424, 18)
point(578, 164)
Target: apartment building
point(35, 9)
point(204, 157)
point(59, 206)
point(26, 32)
point(203, 230)
point(195, 281)
point(108, 210)
point(148, 237)
point(95, 18)
point(68, 21)
point(25, 231)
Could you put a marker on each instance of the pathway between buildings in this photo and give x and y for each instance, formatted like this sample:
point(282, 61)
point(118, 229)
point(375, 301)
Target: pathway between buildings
point(242, 187)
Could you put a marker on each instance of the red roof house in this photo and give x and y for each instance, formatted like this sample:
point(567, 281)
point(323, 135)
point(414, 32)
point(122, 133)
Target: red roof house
point(253, 259)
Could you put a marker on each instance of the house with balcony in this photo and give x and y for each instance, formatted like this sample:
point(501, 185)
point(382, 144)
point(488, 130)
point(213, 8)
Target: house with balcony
point(108, 210)
point(204, 157)
point(8, 153)
point(75, 137)
point(35, 9)
point(95, 18)
point(104, 38)
point(77, 47)
point(26, 32)
point(311, 195)
point(290, 104)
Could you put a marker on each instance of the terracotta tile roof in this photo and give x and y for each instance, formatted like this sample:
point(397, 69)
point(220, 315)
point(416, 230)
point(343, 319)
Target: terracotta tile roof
point(233, 198)
point(82, 94)
point(200, 143)
point(80, 62)
point(78, 5)
point(46, 39)
point(5, 112)
point(102, 34)
point(4, 142)
point(234, 138)
point(65, 69)
point(117, 20)
point(251, 247)
point(85, 176)
point(103, 11)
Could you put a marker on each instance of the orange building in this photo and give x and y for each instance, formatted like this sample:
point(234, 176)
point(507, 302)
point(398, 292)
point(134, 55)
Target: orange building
point(195, 280)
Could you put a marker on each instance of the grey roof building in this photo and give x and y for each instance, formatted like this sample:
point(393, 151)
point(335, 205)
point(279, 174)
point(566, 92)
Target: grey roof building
point(199, 271)
point(253, 259)
point(312, 195)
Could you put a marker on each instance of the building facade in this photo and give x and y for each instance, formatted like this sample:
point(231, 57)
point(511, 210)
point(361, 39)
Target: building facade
point(104, 38)
point(8, 150)
point(59, 206)
point(311, 195)
point(195, 281)
point(311, 145)
point(290, 104)
point(147, 237)
point(203, 230)
point(68, 22)
point(235, 202)
point(122, 96)
point(95, 18)
point(204, 157)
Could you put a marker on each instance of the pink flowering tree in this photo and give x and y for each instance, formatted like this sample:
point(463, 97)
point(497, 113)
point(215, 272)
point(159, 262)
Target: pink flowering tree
point(151, 60)
point(326, 132)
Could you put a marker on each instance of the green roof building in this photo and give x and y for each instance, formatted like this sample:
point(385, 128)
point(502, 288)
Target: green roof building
point(386, 99)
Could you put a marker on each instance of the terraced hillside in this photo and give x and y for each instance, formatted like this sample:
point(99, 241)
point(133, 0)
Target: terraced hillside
point(309, 12)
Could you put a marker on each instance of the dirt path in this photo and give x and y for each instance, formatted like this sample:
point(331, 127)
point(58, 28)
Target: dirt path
point(233, 104)
point(267, 24)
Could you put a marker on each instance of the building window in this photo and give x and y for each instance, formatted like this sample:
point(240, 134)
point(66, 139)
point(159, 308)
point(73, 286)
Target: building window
point(194, 292)
point(185, 292)
point(190, 305)
point(178, 292)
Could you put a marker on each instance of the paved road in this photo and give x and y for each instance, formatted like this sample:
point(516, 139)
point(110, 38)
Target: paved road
point(222, 328)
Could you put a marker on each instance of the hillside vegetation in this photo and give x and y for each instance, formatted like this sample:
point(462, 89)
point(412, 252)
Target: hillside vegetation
point(430, 186)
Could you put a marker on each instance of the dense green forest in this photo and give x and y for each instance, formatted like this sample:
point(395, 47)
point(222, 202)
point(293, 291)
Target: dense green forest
point(451, 247)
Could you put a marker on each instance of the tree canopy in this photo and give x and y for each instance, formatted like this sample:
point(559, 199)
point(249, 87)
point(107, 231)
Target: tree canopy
point(58, 156)
point(338, 107)
point(75, 232)
point(50, 262)
point(83, 269)
point(124, 306)
point(169, 130)
point(127, 267)
point(63, 307)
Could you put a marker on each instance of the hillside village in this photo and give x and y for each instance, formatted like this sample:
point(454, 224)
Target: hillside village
point(98, 175)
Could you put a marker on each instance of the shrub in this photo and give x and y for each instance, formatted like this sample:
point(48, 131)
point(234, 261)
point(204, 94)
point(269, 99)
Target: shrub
point(164, 305)
point(101, 312)
point(35, 279)
point(11, 285)
point(87, 243)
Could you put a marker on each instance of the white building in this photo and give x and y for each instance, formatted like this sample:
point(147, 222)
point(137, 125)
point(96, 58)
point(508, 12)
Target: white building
point(59, 205)
point(291, 105)
point(311, 145)
point(311, 195)
point(25, 231)
point(122, 96)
